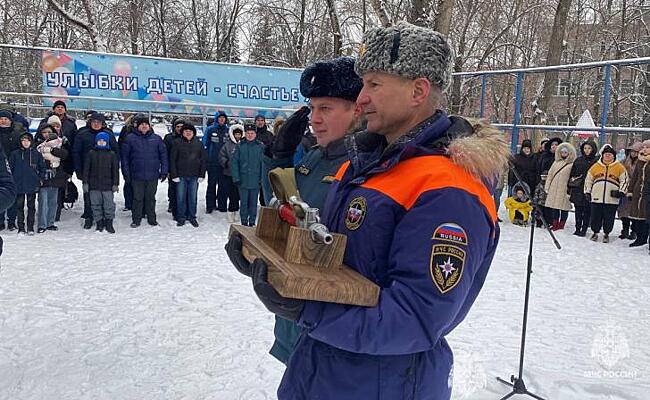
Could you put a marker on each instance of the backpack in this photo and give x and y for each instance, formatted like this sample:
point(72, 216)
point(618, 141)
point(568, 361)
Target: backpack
point(71, 194)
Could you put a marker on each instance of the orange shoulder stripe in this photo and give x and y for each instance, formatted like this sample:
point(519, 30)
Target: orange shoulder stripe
point(342, 169)
point(406, 181)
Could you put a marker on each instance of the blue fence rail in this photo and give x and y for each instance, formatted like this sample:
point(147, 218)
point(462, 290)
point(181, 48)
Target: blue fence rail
point(521, 73)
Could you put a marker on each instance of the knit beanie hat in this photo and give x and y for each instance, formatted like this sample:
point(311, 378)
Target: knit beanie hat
point(331, 78)
point(26, 135)
point(54, 120)
point(101, 136)
point(59, 103)
point(409, 51)
point(6, 114)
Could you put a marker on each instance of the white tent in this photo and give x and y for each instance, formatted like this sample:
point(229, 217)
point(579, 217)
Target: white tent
point(585, 121)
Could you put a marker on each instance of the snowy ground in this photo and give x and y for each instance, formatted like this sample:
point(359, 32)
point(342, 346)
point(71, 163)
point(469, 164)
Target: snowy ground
point(158, 313)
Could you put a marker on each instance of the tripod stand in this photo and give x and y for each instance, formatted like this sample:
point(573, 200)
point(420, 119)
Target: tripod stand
point(517, 382)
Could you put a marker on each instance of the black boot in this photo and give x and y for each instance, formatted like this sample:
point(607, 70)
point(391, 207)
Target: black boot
point(100, 225)
point(108, 224)
point(88, 223)
point(11, 226)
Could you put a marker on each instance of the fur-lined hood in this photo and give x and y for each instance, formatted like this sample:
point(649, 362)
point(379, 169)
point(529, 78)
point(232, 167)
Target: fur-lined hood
point(474, 145)
point(484, 153)
point(231, 131)
point(572, 152)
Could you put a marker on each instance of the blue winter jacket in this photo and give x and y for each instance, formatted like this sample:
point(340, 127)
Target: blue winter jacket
point(144, 157)
point(213, 139)
point(28, 169)
point(246, 164)
point(422, 228)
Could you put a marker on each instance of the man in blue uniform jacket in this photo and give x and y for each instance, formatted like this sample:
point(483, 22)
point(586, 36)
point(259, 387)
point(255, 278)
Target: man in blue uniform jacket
point(332, 87)
point(414, 203)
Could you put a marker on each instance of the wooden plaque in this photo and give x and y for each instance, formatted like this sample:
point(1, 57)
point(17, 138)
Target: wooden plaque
point(302, 269)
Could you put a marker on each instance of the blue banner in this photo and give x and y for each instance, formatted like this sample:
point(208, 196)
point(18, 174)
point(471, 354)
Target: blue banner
point(238, 90)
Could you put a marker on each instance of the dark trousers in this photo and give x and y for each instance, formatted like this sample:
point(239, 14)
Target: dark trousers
point(144, 200)
point(11, 215)
point(211, 191)
point(641, 228)
point(248, 210)
point(31, 210)
point(88, 208)
point(558, 215)
point(171, 197)
point(627, 222)
point(233, 193)
point(59, 206)
point(583, 216)
point(128, 195)
point(186, 198)
point(223, 190)
point(602, 216)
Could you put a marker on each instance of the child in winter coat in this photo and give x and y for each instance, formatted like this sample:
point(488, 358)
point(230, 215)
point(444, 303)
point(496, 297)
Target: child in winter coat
point(518, 206)
point(101, 179)
point(606, 183)
point(246, 168)
point(187, 166)
point(225, 159)
point(28, 169)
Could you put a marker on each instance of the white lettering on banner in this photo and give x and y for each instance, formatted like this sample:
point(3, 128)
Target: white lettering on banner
point(83, 82)
point(153, 86)
point(131, 83)
point(189, 88)
point(202, 88)
point(103, 82)
point(253, 92)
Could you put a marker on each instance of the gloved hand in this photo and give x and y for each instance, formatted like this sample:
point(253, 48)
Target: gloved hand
point(85, 187)
point(616, 194)
point(282, 306)
point(115, 188)
point(176, 180)
point(234, 251)
point(200, 180)
point(163, 177)
point(290, 134)
point(588, 197)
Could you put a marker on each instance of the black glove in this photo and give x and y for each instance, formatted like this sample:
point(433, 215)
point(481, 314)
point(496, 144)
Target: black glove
point(617, 194)
point(286, 308)
point(290, 134)
point(588, 197)
point(234, 251)
point(163, 177)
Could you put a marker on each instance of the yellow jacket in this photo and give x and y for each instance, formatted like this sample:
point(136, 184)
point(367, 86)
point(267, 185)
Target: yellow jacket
point(603, 178)
point(514, 205)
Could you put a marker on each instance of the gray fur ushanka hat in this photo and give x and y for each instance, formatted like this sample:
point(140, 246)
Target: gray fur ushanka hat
point(409, 51)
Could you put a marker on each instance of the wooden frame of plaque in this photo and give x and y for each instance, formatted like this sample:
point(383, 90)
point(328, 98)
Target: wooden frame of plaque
point(302, 269)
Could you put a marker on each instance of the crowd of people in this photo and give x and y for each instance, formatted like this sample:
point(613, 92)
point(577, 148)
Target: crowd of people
point(593, 183)
point(42, 167)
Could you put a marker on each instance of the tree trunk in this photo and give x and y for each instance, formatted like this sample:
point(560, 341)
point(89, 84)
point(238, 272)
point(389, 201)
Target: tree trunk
point(378, 6)
point(419, 12)
point(554, 53)
point(336, 27)
point(442, 22)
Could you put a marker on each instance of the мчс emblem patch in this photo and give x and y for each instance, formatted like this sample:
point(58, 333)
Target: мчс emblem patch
point(356, 213)
point(303, 170)
point(447, 265)
point(449, 232)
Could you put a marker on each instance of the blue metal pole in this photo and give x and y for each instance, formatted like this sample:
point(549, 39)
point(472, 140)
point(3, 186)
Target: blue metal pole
point(605, 107)
point(483, 92)
point(517, 117)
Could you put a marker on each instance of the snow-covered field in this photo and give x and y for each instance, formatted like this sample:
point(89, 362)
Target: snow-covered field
point(159, 313)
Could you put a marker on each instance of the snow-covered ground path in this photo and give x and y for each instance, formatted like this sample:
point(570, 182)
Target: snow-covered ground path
point(159, 313)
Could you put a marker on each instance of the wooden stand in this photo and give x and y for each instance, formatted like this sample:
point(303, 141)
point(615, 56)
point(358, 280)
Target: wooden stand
point(302, 269)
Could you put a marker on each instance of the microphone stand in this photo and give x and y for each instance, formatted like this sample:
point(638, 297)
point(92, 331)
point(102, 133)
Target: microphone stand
point(517, 382)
